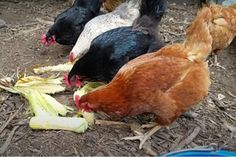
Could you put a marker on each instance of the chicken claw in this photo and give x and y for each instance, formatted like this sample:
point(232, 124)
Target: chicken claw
point(216, 63)
point(143, 137)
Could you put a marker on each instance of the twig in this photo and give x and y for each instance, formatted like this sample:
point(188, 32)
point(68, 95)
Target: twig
point(24, 25)
point(23, 32)
point(44, 21)
point(149, 150)
point(189, 139)
point(105, 122)
point(174, 21)
point(213, 122)
point(229, 116)
point(218, 103)
point(175, 144)
point(231, 94)
point(75, 150)
point(177, 8)
point(172, 33)
point(8, 141)
point(190, 114)
point(230, 140)
point(20, 137)
point(186, 23)
point(8, 121)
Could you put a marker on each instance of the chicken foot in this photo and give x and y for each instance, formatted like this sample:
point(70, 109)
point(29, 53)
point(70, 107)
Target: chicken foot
point(143, 137)
point(216, 63)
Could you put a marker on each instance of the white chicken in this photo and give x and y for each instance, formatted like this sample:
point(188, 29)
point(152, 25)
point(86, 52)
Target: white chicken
point(122, 16)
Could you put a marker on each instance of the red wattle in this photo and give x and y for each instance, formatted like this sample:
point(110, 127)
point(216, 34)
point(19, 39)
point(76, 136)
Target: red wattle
point(43, 39)
point(53, 40)
point(78, 83)
point(77, 102)
point(66, 81)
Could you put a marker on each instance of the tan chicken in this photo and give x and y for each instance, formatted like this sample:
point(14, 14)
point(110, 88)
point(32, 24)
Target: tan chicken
point(170, 81)
point(111, 5)
point(223, 28)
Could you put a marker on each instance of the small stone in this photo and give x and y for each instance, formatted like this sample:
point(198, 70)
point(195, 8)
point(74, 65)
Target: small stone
point(181, 28)
point(221, 96)
point(171, 19)
point(99, 154)
point(2, 23)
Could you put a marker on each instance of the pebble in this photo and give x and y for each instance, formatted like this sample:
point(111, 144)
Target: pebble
point(2, 23)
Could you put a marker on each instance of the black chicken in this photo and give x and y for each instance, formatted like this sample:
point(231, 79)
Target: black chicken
point(69, 24)
point(114, 48)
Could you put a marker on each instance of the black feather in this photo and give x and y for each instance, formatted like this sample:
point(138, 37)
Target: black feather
point(70, 23)
point(153, 9)
point(112, 49)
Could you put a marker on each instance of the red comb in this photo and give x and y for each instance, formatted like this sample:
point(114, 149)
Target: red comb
point(83, 106)
point(78, 83)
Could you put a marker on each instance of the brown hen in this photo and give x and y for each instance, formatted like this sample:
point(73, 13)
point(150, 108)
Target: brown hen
point(170, 81)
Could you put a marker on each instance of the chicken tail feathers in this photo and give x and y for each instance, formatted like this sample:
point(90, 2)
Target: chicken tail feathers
point(154, 9)
point(93, 5)
point(151, 13)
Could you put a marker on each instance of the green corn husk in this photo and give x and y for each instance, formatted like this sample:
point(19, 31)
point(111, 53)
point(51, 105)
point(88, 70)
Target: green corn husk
point(88, 87)
point(75, 124)
point(6, 84)
point(44, 85)
point(35, 104)
point(89, 116)
point(58, 107)
point(46, 109)
point(45, 104)
point(32, 80)
point(41, 103)
point(26, 84)
point(57, 68)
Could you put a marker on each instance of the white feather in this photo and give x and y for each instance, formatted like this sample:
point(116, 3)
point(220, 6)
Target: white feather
point(124, 15)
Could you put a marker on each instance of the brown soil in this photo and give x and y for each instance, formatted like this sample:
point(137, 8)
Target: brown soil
point(21, 48)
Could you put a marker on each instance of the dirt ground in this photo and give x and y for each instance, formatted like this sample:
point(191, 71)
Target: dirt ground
point(214, 119)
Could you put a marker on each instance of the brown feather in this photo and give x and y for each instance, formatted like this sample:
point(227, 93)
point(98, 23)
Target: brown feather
point(170, 81)
point(111, 5)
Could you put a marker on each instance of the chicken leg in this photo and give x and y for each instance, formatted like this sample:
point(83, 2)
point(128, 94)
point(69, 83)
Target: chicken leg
point(143, 137)
point(216, 63)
